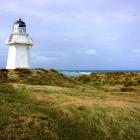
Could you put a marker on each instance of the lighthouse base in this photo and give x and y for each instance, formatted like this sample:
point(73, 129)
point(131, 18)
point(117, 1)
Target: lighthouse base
point(18, 57)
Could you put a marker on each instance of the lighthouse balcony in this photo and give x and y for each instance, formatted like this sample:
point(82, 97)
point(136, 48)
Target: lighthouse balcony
point(22, 40)
point(26, 43)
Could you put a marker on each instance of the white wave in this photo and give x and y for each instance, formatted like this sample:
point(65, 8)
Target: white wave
point(75, 73)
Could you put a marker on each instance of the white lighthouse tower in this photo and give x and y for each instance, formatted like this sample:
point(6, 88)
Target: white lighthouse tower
point(19, 47)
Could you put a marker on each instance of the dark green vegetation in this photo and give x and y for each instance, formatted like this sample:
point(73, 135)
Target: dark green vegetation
point(45, 105)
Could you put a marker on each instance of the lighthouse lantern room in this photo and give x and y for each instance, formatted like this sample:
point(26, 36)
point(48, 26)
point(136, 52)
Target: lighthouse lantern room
point(19, 44)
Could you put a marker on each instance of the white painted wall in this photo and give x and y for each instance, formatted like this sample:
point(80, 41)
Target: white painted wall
point(18, 57)
point(11, 58)
point(22, 57)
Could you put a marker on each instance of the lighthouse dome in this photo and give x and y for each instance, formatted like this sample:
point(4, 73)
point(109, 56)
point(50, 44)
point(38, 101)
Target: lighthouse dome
point(20, 23)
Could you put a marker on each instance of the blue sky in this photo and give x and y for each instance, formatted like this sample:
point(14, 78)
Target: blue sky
point(76, 34)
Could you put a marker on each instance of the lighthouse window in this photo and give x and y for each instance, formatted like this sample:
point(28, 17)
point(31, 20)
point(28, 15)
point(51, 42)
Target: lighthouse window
point(10, 38)
point(21, 30)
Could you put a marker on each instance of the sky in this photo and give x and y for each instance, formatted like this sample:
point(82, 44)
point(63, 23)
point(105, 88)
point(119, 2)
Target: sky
point(76, 34)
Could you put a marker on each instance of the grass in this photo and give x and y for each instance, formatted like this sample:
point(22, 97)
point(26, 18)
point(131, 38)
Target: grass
point(36, 77)
point(86, 111)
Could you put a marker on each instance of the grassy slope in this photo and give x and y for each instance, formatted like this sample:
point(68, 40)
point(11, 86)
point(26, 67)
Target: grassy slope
point(102, 107)
point(36, 77)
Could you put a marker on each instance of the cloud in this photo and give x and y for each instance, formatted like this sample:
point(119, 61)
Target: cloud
point(90, 52)
point(41, 57)
point(66, 30)
point(45, 58)
point(136, 51)
point(87, 52)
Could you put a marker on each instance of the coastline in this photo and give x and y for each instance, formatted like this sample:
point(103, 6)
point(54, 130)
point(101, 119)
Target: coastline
point(87, 72)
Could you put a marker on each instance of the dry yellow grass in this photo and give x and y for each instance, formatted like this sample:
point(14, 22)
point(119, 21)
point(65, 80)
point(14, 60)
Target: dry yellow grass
point(93, 110)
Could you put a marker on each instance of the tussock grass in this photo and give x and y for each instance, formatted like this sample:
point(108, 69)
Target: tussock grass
point(86, 111)
point(36, 77)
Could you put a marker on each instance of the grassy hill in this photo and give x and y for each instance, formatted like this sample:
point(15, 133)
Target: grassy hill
point(46, 105)
point(36, 77)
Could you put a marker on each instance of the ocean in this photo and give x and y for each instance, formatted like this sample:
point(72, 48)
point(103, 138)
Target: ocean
point(80, 72)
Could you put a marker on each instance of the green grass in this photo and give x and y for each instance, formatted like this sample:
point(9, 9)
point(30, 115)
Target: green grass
point(78, 112)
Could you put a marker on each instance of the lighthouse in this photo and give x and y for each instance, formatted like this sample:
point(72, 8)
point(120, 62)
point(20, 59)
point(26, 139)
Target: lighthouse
point(19, 44)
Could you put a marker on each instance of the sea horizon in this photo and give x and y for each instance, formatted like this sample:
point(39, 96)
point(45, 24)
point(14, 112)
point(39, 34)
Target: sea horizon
point(81, 72)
